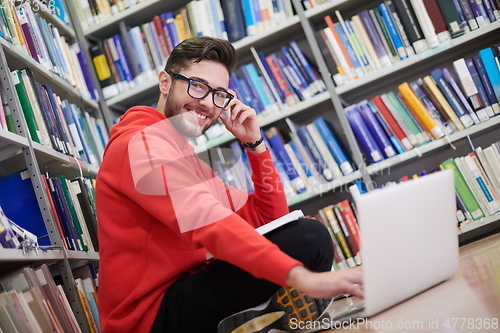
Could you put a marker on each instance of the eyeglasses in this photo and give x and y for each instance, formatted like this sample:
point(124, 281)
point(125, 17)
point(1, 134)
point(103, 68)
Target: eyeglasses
point(199, 90)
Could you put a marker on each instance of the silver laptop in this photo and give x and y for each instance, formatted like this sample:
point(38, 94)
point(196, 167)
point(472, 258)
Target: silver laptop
point(409, 243)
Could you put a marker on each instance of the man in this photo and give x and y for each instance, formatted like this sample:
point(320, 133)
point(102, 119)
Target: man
point(162, 211)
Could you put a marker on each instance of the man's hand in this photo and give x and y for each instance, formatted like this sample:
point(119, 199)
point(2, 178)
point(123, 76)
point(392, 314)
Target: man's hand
point(242, 121)
point(326, 284)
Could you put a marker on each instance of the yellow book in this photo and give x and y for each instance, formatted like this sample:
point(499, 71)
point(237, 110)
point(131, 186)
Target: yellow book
point(22, 41)
point(181, 27)
point(431, 85)
point(339, 236)
point(420, 111)
point(185, 18)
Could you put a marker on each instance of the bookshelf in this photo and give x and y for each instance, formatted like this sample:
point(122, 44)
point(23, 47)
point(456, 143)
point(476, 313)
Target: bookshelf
point(330, 103)
point(19, 151)
point(302, 27)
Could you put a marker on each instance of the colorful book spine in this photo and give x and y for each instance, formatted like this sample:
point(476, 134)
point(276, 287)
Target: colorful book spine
point(420, 111)
point(376, 130)
point(277, 145)
point(334, 146)
point(363, 135)
point(481, 71)
point(491, 68)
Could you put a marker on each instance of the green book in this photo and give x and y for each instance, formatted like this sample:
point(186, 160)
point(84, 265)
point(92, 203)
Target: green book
point(464, 191)
point(451, 17)
point(26, 106)
point(407, 118)
point(72, 210)
point(385, 32)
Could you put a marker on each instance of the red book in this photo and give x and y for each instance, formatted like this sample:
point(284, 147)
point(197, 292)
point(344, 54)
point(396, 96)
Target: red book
point(392, 123)
point(350, 221)
point(161, 34)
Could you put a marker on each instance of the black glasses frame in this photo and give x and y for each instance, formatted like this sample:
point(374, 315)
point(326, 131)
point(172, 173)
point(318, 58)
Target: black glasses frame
point(181, 77)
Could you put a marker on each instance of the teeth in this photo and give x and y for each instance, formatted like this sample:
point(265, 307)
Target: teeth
point(198, 115)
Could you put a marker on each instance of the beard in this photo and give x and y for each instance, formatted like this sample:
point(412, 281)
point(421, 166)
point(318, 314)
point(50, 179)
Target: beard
point(184, 121)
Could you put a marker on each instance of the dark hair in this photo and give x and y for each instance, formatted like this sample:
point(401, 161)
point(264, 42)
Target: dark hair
point(197, 49)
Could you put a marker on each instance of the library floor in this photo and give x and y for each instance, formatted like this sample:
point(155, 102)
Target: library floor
point(470, 302)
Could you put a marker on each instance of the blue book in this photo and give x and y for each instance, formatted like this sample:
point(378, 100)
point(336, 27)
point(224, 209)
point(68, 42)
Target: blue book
point(235, 22)
point(374, 37)
point(140, 52)
point(479, 86)
point(125, 62)
point(292, 78)
point(490, 9)
point(301, 160)
point(251, 94)
point(60, 11)
point(277, 145)
point(20, 204)
point(430, 107)
point(64, 214)
point(280, 167)
point(350, 31)
point(250, 72)
point(491, 68)
point(169, 20)
point(307, 66)
point(481, 71)
point(269, 72)
point(391, 27)
point(460, 96)
point(334, 146)
point(376, 130)
point(363, 135)
point(314, 154)
point(450, 96)
point(390, 134)
point(461, 15)
point(59, 121)
point(349, 49)
point(248, 13)
point(303, 81)
point(89, 152)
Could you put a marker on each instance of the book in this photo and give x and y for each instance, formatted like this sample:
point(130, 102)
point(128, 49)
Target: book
point(364, 137)
point(491, 68)
point(285, 219)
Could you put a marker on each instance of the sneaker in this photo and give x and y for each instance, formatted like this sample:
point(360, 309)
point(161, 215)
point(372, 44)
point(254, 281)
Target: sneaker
point(286, 306)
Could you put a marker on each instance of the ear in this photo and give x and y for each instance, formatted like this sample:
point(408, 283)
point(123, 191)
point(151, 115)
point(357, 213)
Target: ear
point(164, 82)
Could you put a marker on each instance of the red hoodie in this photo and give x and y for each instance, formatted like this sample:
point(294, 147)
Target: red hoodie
point(161, 210)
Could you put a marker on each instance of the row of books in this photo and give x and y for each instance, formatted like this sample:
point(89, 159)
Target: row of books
point(276, 81)
point(229, 19)
point(310, 156)
point(54, 122)
point(136, 54)
point(428, 108)
point(39, 39)
point(342, 223)
point(395, 30)
point(72, 204)
point(477, 183)
point(32, 301)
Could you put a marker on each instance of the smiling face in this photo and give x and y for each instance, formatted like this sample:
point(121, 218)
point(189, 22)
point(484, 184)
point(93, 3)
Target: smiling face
point(190, 116)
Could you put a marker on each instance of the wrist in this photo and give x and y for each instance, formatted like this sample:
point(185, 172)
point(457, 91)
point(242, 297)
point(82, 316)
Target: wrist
point(254, 146)
point(296, 276)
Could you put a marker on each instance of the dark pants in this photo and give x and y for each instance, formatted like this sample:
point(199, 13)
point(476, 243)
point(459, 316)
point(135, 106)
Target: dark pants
point(198, 302)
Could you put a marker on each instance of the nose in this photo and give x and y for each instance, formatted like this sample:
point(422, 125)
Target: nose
point(207, 101)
